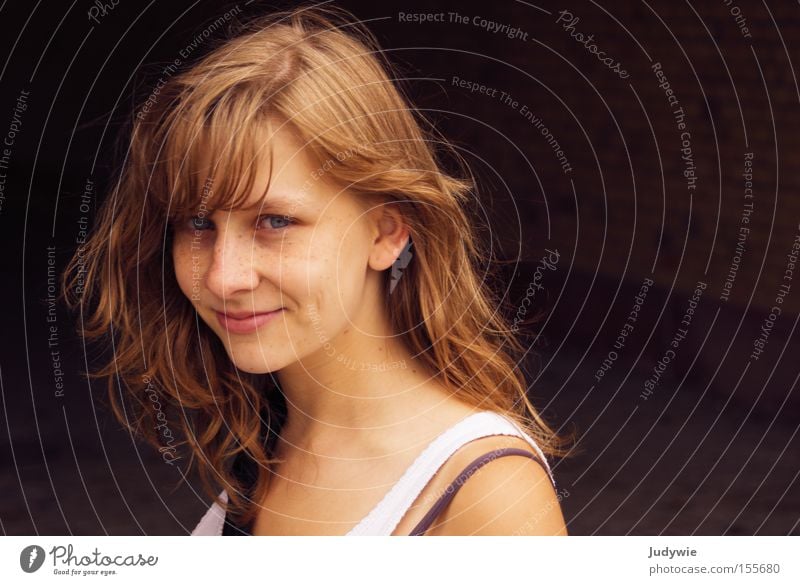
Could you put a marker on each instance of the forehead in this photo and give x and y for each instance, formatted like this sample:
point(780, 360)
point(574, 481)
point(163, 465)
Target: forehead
point(289, 176)
point(234, 156)
point(266, 166)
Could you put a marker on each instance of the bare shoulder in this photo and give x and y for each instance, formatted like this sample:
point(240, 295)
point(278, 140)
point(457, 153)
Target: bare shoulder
point(510, 495)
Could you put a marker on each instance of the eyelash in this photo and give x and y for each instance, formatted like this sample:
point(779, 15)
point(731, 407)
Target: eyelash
point(189, 223)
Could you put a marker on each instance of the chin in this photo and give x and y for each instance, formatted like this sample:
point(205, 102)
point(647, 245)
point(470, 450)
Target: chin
point(253, 361)
point(254, 368)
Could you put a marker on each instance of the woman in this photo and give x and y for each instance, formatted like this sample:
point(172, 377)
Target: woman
point(287, 265)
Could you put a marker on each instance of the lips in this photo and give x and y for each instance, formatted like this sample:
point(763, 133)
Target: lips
point(245, 321)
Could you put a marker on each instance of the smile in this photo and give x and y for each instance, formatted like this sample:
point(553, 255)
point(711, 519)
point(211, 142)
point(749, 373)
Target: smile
point(246, 323)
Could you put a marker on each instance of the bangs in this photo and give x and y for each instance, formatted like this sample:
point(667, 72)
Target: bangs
point(210, 156)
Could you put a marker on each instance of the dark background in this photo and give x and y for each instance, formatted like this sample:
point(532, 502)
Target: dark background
point(714, 448)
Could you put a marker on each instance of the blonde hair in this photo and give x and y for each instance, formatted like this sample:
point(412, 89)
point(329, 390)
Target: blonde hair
point(323, 73)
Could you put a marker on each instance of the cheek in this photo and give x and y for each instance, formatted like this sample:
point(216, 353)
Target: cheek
point(187, 267)
point(346, 270)
point(321, 277)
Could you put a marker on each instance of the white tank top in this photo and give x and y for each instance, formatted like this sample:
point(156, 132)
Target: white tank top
point(385, 516)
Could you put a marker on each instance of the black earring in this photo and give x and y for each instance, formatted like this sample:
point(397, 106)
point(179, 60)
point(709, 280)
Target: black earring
point(399, 265)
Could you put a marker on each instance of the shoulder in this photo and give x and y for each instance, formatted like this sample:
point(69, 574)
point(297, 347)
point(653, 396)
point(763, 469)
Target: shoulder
point(509, 495)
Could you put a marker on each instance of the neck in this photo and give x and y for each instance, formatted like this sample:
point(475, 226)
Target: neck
point(352, 404)
point(363, 394)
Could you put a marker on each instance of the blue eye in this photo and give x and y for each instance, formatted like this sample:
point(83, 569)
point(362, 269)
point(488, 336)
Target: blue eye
point(199, 223)
point(276, 222)
point(268, 222)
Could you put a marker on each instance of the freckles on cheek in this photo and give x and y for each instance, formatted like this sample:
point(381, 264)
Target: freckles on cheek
point(187, 270)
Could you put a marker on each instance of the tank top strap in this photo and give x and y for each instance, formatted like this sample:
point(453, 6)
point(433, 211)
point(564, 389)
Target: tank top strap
point(449, 493)
point(384, 517)
point(213, 522)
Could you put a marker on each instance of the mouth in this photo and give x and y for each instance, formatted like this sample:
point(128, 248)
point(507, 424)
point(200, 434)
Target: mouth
point(245, 321)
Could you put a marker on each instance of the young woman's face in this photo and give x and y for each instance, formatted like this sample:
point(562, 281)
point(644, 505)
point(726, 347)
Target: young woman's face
point(282, 281)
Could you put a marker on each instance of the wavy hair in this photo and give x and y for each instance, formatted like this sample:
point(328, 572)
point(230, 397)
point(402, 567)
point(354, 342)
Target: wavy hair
point(325, 74)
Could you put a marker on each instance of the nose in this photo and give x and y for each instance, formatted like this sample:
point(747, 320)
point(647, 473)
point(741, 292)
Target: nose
point(232, 258)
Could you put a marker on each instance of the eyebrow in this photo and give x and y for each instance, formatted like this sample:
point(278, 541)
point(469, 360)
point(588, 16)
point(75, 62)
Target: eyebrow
point(275, 201)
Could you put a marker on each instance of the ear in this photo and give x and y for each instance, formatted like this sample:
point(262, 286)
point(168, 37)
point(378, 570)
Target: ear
point(391, 236)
